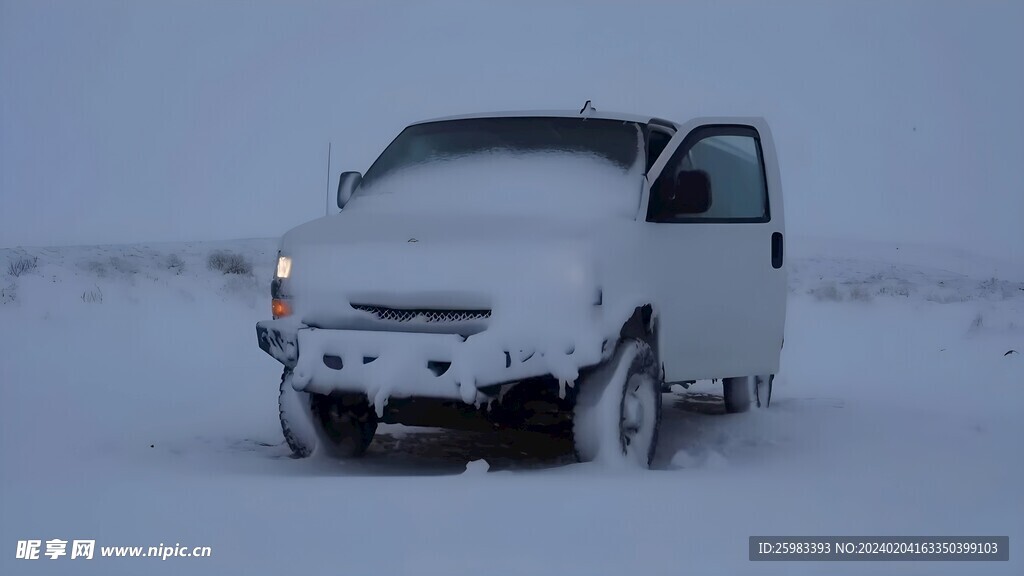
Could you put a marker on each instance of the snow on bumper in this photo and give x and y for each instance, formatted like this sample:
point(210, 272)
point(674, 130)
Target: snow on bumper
point(277, 338)
point(384, 364)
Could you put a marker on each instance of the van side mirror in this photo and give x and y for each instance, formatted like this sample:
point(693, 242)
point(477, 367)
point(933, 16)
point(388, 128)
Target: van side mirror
point(347, 184)
point(690, 193)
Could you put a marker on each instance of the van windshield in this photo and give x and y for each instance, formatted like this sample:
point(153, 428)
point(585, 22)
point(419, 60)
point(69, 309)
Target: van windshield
point(612, 141)
point(560, 167)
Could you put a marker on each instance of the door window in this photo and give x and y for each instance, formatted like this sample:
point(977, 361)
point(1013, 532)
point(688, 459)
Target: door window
point(716, 175)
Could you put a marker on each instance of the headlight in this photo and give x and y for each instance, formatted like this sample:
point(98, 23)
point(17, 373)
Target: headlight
point(284, 266)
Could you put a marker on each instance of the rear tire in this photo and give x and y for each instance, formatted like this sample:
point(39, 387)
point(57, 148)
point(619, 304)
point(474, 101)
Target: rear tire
point(746, 391)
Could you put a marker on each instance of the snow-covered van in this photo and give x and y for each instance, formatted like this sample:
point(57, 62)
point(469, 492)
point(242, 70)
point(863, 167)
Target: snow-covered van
point(534, 270)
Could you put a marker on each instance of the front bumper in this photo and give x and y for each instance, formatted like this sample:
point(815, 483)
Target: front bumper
point(383, 364)
point(278, 338)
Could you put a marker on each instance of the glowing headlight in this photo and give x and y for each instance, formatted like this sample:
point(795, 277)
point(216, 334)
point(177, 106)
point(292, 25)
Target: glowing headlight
point(284, 266)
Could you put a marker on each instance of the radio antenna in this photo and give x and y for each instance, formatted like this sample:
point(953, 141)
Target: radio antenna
point(327, 204)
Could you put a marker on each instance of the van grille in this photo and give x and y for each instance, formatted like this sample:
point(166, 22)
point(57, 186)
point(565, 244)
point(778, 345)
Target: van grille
point(422, 315)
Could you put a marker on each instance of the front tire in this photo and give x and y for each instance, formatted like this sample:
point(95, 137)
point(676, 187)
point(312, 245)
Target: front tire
point(343, 425)
point(617, 412)
point(346, 422)
point(296, 418)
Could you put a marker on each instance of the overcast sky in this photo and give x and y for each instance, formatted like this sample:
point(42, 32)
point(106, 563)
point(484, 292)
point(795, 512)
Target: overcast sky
point(138, 121)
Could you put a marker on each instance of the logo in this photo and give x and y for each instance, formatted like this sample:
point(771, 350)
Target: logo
point(412, 240)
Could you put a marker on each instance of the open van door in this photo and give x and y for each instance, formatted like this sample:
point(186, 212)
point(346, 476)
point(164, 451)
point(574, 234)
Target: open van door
point(714, 223)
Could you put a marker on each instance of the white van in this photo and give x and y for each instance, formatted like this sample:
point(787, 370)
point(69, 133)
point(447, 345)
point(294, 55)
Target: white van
point(534, 270)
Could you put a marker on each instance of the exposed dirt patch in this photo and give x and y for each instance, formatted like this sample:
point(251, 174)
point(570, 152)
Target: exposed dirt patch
point(506, 449)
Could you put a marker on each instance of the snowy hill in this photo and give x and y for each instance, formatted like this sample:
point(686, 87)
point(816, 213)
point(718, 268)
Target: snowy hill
point(137, 410)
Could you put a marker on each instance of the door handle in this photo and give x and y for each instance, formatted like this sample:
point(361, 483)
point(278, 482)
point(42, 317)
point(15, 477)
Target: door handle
point(777, 250)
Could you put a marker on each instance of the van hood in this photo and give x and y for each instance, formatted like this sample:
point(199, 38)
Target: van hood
point(405, 261)
point(351, 228)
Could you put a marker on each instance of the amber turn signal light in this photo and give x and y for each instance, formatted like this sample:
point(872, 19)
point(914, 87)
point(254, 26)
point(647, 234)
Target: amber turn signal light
point(280, 308)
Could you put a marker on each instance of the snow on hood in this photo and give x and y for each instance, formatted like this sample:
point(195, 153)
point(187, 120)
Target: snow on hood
point(551, 184)
point(524, 271)
point(351, 229)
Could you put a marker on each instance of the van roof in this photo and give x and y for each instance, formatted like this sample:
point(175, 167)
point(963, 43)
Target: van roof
point(641, 119)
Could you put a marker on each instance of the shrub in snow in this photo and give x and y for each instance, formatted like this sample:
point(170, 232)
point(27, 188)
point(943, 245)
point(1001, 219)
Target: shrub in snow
point(894, 291)
point(995, 288)
point(978, 323)
point(97, 268)
point(123, 266)
point(8, 294)
point(244, 286)
point(175, 263)
point(827, 292)
point(860, 294)
point(93, 296)
point(22, 264)
point(228, 262)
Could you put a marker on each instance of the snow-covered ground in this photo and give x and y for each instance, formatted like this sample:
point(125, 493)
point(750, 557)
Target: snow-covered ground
point(137, 410)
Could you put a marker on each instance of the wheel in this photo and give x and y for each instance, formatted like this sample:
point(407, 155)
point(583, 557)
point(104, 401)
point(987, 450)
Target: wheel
point(346, 422)
point(296, 418)
point(618, 408)
point(343, 424)
point(746, 391)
